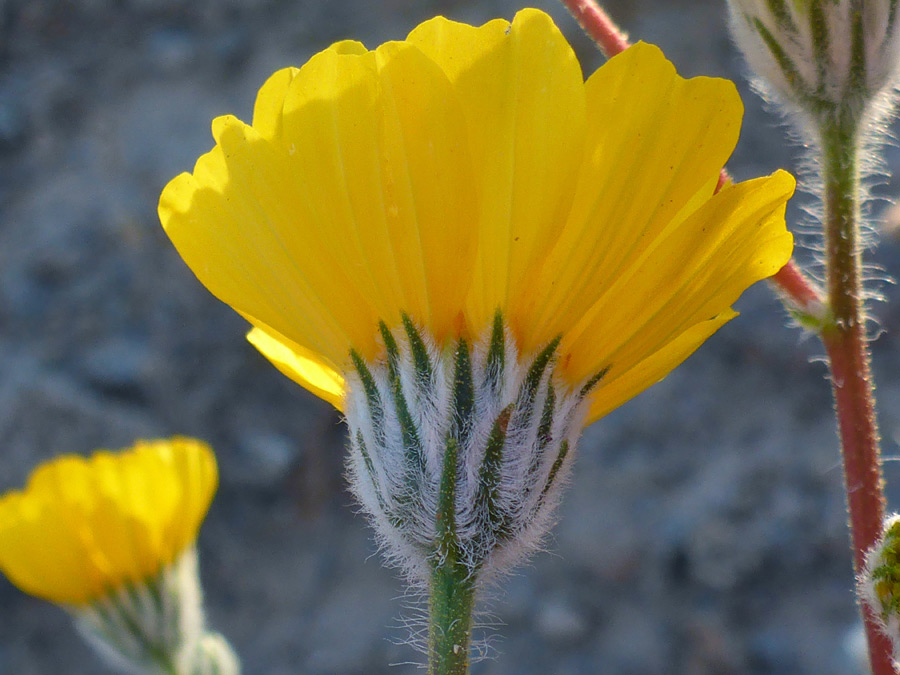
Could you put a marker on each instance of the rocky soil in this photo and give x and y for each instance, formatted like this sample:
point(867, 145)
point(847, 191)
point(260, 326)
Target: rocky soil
point(704, 532)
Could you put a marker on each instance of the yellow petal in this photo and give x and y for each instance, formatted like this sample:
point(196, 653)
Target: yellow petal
point(427, 182)
point(303, 366)
point(522, 92)
point(684, 276)
point(269, 107)
point(613, 392)
point(655, 144)
point(119, 542)
point(84, 527)
point(342, 221)
point(378, 155)
point(198, 477)
point(39, 554)
point(267, 112)
point(240, 227)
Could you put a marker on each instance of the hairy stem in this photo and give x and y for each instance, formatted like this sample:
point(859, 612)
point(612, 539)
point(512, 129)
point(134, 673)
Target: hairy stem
point(800, 291)
point(848, 354)
point(596, 23)
point(450, 608)
point(452, 588)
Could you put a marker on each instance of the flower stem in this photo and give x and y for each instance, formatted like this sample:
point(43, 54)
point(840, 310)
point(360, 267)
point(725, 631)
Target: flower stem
point(799, 290)
point(596, 23)
point(450, 606)
point(848, 354)
point(452, 584)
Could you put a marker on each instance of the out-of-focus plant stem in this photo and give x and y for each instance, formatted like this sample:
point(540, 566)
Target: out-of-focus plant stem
point(598, 25)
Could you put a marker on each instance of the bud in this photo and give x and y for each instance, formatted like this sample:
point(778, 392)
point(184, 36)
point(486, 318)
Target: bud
point(819, 55)
point(154, 626)
point(879, 582)
point(111, 539)
point(459, 453)
point(157, 626)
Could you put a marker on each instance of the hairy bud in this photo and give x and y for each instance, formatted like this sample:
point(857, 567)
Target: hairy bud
point(879, 582)
point(821, 55)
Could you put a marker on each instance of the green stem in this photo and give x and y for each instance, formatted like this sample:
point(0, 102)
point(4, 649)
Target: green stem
point(848, 354)
point(450, 605)
point(452, 590)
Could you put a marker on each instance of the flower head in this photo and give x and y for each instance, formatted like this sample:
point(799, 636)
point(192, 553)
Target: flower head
point(85, 527)
point(473, 252)
point(820, 54)
point(111, 538)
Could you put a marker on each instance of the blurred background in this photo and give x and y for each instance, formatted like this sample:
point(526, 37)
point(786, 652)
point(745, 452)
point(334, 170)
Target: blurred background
point(704, 532)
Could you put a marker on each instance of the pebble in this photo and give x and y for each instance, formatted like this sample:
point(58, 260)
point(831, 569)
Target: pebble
point(560, 622)
point(262, 459)
point(117, 364)
point(13, 126)
point(171, 50)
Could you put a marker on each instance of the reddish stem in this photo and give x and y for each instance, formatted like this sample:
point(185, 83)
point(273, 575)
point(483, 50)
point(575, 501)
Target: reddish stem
point(848, 354)
point(598, 25)
point(794, 284)
point(851, 384)
point(724, 179)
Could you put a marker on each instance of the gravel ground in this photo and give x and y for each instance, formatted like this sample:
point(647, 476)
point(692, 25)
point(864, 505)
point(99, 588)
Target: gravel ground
point(704, 532)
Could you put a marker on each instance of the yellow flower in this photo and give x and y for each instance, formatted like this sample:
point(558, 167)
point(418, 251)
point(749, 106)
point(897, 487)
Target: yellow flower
point(467, 170)
point(472, 252)
point(84, 529)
